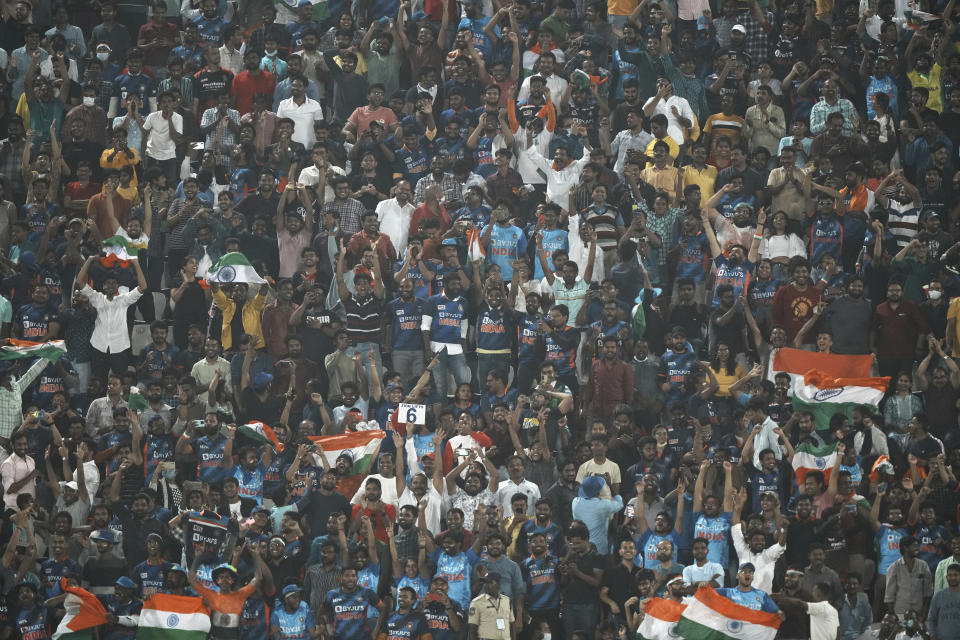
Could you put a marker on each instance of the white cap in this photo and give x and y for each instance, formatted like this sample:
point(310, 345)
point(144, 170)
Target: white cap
point(739, 27)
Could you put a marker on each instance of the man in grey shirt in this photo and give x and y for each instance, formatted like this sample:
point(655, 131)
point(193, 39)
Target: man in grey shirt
point(849, 320)
point(943, 620)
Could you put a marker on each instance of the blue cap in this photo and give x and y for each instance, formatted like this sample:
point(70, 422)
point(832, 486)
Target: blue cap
point(176, 568)
point(747, 566)
point(223, 567)
point(290, 588)
point(304, 3)
point(449, 242)
point(125, 582)
point(262, 379)
point(418, 16)
point(259, 509)
point(104, 535)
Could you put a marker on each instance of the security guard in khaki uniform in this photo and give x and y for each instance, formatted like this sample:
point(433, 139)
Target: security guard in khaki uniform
point(491, 615)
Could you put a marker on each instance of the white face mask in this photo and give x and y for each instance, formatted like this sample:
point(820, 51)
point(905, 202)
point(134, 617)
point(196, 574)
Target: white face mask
point(89, 101)
point(103, 56)
point(934, 294)
point(272, 54)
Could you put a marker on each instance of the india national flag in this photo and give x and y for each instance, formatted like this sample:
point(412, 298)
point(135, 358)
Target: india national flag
point(20, 349)
point(120, 247)
point(360, 446)
point(808, 457)
point(233, 267)
point(169, 617)
point(710, 616)
point(84, 611)
point(828, 383)
point(261, 434)
point(659, 619)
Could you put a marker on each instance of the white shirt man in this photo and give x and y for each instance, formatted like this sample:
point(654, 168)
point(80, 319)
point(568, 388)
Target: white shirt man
point(763, 561)
point(395, 221)
point(160, 144)
point(303, 116)
point(666, 106)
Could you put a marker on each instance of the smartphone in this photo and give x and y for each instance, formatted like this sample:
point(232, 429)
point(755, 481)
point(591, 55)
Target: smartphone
point(462, 451)
point(433, 597)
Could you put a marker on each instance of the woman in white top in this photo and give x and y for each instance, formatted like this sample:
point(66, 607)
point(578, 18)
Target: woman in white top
point(779, 244)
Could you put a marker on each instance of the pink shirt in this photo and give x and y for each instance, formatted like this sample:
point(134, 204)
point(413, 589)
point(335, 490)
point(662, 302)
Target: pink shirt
point(363, 116)
point(290, 247)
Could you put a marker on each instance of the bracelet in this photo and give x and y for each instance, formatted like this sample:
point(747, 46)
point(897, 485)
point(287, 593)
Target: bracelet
point(185, 436)
point(757, 236)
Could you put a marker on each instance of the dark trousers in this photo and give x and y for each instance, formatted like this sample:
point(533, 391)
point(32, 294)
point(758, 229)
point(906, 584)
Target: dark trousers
point(103, 363)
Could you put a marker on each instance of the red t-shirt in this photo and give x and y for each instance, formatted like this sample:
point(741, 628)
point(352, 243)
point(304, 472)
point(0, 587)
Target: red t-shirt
point(379, 526)
point(245, 84)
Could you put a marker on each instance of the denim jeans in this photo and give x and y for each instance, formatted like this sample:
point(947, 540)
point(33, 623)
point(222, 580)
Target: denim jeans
point(487, 362)
point(455, 364)
point(409, 364)
point(363, 348)
point(579, 617)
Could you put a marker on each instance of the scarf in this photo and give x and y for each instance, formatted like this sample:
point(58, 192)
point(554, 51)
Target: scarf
point(559, 168)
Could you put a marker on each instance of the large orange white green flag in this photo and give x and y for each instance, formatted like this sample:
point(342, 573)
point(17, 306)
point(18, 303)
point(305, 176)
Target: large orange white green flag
point(660, 619)
point(825, 384)
point(359, 446)
point(169, 617)
point(84, 611)
point(710, 616)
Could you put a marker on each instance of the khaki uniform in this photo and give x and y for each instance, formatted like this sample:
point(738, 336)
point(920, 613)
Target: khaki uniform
point(493, 616)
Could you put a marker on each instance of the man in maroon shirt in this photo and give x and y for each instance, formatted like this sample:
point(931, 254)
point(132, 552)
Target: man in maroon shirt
point(794, 303)
point(611, 381)
point(899, 330)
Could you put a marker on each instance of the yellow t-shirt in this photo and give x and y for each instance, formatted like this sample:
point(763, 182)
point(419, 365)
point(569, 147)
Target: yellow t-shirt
point(703, 179)
point(674, 147)
point(725, 380)
point(953, 312)
point(930, 82)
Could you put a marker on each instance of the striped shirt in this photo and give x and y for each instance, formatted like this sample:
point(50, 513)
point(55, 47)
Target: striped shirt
point(903, 221)
point(605, 220)
point(363, 319)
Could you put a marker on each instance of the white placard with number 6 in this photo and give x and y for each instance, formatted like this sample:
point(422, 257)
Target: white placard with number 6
point(412, 413)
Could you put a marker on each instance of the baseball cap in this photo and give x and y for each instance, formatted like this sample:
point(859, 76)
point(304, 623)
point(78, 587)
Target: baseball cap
point(104, 535)
point(449, 242)
point(290, 588)
point(747, 566)
point(418, 16)
point(125, 582)
point(176, 568)
point(262, 379)
point(739, 27)
point(71, 485)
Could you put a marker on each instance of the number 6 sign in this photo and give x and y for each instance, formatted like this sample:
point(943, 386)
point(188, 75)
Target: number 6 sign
point(413, 413)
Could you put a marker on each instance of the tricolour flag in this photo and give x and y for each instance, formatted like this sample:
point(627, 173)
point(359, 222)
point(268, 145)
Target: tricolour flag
point(170, 617)
point(797, 363)
point(916, 18)
point(120, 247)
point(808, 457)
point(84, 611)
point(136, 401)
point(261, 434)
point(659, 619)
point(710, 616)
point(360, 445)
point(824, 396)
point(233, 267)
point(20, 349)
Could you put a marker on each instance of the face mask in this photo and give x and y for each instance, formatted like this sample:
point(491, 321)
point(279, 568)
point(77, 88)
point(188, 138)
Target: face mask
point(103, 56)
point(88, 101)
point(934, 294)
point(271, 54)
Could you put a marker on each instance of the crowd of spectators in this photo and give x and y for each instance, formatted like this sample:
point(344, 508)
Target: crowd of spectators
point(569, 237)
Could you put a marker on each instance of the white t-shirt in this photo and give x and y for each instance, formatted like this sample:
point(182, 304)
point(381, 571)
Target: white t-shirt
point(824, 621)
point(160, 145)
